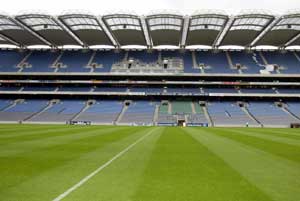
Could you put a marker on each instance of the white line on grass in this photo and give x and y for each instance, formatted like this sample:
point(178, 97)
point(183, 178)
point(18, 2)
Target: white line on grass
point(85, 179)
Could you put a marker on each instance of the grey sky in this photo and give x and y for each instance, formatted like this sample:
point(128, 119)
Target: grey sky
point(145, 6)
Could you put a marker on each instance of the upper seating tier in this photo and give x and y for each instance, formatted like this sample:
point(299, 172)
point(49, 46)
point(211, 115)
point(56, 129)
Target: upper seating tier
point(88, 61)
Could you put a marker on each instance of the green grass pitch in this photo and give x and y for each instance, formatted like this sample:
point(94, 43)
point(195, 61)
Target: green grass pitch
point(108, 163)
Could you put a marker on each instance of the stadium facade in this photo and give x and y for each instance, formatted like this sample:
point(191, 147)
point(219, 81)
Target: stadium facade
point(151, 86)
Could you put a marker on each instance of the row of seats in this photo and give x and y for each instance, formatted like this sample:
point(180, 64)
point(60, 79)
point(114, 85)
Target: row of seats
point(146, 112)
point(139, 112)
point(156, 90)
point(253, 114)
point(228, 113)
point(102, 111)
point(230, 62)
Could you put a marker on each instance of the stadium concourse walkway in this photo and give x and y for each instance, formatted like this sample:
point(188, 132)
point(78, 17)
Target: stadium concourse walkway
point(107, 163)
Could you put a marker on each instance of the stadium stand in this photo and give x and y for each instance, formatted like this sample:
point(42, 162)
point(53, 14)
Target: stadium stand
point(147, 84)
point(164, 115)
point(220, 90)
point(9, 60)
point(59, 111)
point(103, 112)
point(294, 108)
point(287, 62)
point(229, 114)
point(41, 61)
point(289, 91)
point(258, 91)
point(110, 89)
point(214, 62)
point(245, 62)
point(143, 112)
point(75, 89)
point(232, 62)
point(103, 60)
point(269, 114)
point(197, 117)
point(74, 61)
point(21, 110)
point(181, 107)
point(4, 104)
point(139, 113)
point(6, 88)
point(28, 88)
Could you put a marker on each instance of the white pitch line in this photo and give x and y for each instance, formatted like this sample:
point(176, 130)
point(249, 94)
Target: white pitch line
point(85, 179)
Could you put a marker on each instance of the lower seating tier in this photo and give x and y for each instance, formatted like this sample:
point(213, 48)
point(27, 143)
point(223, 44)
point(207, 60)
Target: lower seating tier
point(141, 112)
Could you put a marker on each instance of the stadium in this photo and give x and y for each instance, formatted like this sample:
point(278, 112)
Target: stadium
point(107, 112)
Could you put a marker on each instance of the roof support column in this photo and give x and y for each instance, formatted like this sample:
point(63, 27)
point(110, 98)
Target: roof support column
point(69, 31)
point(185, 29)
point(223, 33)
point(264, 32)
point(292, 40)
point(108, 33)
point(10, 40)
point(146, 32)
point(21, 24)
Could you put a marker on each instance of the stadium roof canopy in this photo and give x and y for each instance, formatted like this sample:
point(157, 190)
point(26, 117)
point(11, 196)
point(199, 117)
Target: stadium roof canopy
point(87, 28)
point(13, 32)
point(204, 28)
point(244, 28)
point(209, 28)
point(284, 31)
point(50, 28)
point(165, 29)
point(127, 29)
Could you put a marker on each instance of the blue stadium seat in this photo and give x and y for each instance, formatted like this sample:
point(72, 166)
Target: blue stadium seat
point(269, 114)
point(215, 62)
point(228, 114)
point(219, 90)
point(29, 106)
point(38, 89)
point(9, 59)
point(75, 89)
point(289, 91)
point(286, 60)
point(139, 112)
point(75, 61)
point(102, 112)
point(41, 61)
point(107, 59)
point(259, 91)
point(110, 89)
point(2, 88)
point(247, 61)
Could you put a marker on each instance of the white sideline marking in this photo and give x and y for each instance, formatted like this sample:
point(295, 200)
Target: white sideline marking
point(85, 179)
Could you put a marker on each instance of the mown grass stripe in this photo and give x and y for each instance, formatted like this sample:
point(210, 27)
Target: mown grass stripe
point(266, 136)
point(173, 165)
point(100, 168)
point(21, 130)
point(180, 168)
point(273, 175)
point(33, 164)
point(123, 175)
point(63, 137)
point(286, 133)
point(42, 134)
point(21, 135)
point(286, 151)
